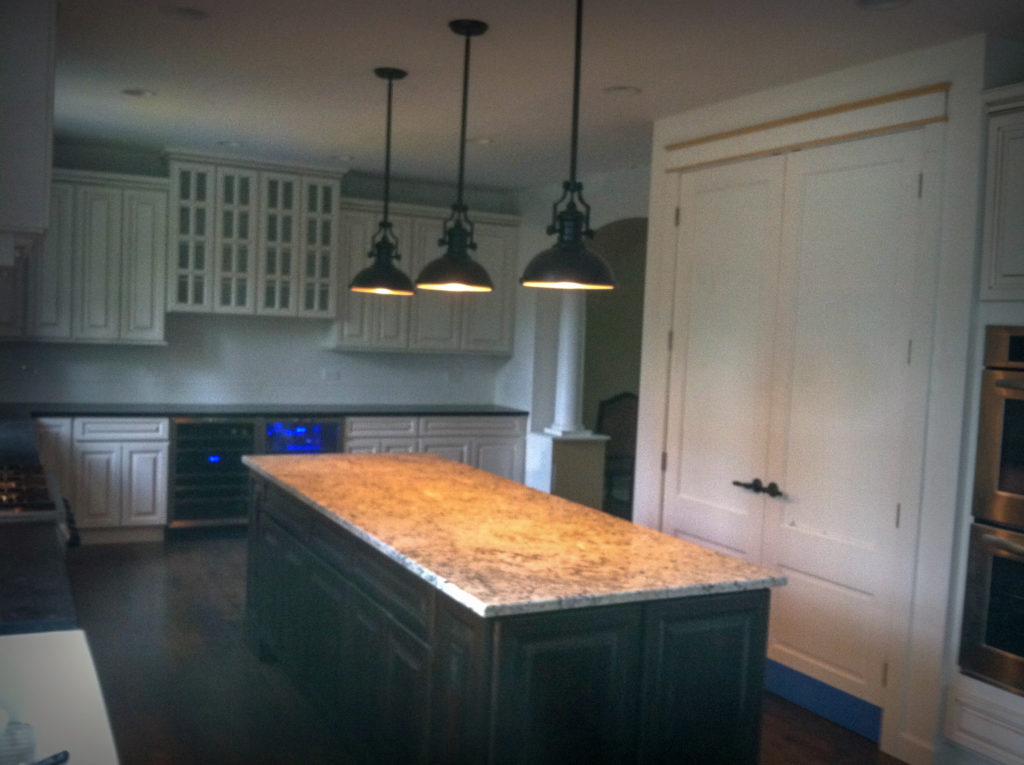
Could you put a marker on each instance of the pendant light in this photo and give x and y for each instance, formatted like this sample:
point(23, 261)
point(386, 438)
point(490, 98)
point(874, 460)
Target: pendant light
point(455, 270)
point(382, 277)
point(569, 264)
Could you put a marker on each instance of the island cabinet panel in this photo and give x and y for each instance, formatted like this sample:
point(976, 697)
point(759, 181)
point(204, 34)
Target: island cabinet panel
point(566, 686)
point(410, 675)
point(694, 645)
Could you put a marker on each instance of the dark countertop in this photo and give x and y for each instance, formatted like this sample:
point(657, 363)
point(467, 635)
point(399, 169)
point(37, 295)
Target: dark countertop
point(35, 594)
point(251, 410)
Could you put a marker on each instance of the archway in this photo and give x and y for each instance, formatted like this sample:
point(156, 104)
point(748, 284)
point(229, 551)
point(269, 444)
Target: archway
point(614, 327)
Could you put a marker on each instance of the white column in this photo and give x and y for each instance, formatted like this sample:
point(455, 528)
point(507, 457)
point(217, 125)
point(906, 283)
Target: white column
point(568, 416)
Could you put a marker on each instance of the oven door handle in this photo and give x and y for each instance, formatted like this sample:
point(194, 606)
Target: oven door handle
point(1002, 544)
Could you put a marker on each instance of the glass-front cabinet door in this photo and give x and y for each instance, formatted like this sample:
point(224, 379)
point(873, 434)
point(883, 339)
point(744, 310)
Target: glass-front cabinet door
point(236, 240)
point(190, 277)
point(280, 194)
point(320, 244)
point(252, 239)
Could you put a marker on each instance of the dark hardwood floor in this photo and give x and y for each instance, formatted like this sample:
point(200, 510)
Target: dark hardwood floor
point(164, 622)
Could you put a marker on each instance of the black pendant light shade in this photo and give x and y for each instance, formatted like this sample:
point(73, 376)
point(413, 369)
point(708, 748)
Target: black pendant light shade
point(455, 270)
point(382, 277)
point(569, 264)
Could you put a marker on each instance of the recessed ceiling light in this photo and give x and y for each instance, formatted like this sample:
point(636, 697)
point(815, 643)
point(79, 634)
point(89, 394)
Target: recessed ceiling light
point(342, 158)
point(480, 140)
point(188, 12)
point(881, 5)
point(625, 90)
point(230, 144)
point(139, 92)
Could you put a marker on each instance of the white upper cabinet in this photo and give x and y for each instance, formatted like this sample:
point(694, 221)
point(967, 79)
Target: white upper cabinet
point(234, 265)
point(190, 273)
point(436, 322)
point(251, 239)
point(100, 277)
point(27, 31)
point(366, 321)
point(1002, 275)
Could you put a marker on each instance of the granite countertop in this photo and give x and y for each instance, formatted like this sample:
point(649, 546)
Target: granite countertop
point(497, 546)
point(42, 409)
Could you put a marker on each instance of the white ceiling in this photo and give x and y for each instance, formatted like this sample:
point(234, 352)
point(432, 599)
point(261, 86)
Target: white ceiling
point(293, 81)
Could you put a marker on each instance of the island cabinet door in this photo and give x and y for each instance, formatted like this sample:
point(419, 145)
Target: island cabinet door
point(703, 676)
point(566, 687)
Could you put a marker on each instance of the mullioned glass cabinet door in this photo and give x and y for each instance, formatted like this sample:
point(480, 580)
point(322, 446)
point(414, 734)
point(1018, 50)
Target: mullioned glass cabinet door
point(190, 276)
point(319, 253)
point(235, 272)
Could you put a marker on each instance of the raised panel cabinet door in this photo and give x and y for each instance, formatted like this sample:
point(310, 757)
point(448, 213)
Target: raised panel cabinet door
point(235, 249)
point(13, 286)
point(459, 449)
point(435, 316)
point(502, 456)
point(49, 303)
point(143, 272)
point(1003, 245)
point(487, 319)
point(559, 678)
point(719, 400)
point(857, 290)
point(355, 322)
point(278, 266)
point(144, 488)
point(369, 322)
point(191, 236)
point(319, 249)
point(703, 679)
point(97, 494)
point(97, 270)
point(55, 451)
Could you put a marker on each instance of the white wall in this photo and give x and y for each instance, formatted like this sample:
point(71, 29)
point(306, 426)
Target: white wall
point(239, 360)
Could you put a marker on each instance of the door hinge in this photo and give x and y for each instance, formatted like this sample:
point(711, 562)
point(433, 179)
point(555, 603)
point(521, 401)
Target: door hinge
point(677, 216)
point(910, 351)
point(920, 185)
point(670, 340)
point(898, 510)
point(664, 461)
point(885, 674)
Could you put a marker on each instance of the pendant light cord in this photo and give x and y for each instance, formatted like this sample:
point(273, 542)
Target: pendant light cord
point(576, 92)
point(462, 131)
point(387, 153)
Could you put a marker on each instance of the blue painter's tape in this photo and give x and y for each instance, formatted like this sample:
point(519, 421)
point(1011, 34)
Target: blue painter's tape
point(824, 700)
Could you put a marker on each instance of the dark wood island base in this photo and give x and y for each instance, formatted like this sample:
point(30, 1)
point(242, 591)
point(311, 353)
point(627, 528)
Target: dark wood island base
point(412, 675)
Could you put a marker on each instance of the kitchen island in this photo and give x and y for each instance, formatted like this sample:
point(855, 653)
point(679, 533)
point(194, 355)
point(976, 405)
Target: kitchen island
point(444, 614)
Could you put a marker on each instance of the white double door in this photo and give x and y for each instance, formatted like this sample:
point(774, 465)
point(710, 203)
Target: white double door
point(801, 336)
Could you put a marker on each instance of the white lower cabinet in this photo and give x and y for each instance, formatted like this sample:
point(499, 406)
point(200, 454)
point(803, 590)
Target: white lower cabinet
point(495, 443)
point(119, 470)
point(55, 443)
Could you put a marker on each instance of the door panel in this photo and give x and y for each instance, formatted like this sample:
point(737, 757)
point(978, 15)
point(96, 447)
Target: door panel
point(718, 415)
point(841, 397)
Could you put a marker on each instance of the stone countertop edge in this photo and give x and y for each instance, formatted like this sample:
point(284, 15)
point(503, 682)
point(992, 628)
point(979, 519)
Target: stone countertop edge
point(490, 610)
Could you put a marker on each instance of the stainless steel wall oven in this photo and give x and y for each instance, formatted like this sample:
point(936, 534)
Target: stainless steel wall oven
point(992, 635)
